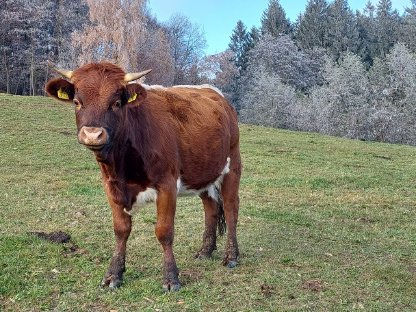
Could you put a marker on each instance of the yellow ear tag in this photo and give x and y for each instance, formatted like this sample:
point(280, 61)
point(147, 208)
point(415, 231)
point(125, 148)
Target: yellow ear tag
point(132, 98)
point(62, 94)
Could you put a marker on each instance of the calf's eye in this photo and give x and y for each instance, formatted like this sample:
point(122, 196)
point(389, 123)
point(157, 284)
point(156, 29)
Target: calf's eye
point(77, 104)
point(117, 104)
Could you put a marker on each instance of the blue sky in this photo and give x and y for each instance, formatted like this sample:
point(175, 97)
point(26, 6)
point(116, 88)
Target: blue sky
point(218, 17)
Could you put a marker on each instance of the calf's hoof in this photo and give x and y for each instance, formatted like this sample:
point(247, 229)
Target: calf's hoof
point(231, 264)
point(171, 286)
point(202, 255)
point(111, 282)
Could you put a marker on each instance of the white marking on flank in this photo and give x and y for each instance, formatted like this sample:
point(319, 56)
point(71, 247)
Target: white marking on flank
point(210, 188)
point(143, 198)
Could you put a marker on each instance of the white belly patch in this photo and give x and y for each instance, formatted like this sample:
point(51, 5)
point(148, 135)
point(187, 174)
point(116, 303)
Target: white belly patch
point(210, 188)
point(143, 198)
point(150, 194)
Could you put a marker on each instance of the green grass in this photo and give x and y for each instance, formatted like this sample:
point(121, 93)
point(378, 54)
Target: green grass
point(326, 224)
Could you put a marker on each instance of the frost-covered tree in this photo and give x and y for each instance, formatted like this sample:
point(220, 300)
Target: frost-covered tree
point(116, 29)
point(29, 36)
point(283, 58)
point(408, 30)
point(393, 96)
point(187, 42)
point(266, 100)
point(340, 106)
point(154, 52)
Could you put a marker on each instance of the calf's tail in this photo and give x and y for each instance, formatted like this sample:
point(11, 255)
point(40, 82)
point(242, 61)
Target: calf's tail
point(222, 226)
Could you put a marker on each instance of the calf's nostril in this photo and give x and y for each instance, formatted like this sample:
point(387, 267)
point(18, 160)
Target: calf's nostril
point(93, 136)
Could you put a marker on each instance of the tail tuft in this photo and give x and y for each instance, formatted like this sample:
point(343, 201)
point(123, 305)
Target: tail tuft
point(222, 226)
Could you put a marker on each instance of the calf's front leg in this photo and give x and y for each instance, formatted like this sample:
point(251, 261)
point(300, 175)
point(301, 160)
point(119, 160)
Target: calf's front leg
point(122, 228)
point(166, 206)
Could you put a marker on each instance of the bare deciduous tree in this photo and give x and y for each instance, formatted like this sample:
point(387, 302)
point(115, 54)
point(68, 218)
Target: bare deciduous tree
point(116, 31)
point(187, 44)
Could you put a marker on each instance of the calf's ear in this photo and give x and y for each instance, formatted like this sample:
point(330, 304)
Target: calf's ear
point(135, 93)
point(60, 89)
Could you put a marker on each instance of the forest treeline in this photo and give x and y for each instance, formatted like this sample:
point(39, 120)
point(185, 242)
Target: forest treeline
point(333, 70)
point(70, 33)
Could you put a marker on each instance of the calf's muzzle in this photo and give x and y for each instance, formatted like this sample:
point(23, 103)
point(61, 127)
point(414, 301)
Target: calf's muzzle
point(92, 137)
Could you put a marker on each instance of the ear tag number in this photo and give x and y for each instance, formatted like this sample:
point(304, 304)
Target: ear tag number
point(62, 94)
point(132, 98)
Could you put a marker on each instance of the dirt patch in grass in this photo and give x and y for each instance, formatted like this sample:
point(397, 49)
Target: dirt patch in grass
point(58, 237)
point(267, 290)
point(313, 285)
point(190, 276)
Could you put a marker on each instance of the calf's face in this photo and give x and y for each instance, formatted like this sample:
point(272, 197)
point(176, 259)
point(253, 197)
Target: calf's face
point(100, 99)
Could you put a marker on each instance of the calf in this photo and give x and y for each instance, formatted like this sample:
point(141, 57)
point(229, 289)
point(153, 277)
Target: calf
point(153, 144)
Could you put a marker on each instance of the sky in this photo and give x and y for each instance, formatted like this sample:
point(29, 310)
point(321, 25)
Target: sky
point(217, 18)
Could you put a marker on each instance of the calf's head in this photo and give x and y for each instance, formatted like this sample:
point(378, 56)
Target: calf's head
point(101, 94)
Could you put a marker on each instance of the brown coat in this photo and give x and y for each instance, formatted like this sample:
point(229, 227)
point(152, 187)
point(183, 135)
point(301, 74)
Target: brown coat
point(153, 143)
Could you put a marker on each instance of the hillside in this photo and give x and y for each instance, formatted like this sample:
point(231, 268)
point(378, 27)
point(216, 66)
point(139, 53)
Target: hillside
point(325, 224)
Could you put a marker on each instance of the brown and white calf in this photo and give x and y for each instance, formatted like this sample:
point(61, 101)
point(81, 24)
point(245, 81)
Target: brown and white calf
point(153, 144)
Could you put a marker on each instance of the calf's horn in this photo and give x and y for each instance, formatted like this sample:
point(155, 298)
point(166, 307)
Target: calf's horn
point(134, 76)
point(64, 73)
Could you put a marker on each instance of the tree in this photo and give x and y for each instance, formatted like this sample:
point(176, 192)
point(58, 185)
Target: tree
point(340, 106)
point(219, 69)
point(280, 56)
point(341, 32)
point(312, 25)
point(274, 21)
point(187, 43)
point(28, 38)
point(366, 25)
point(116, 31)
point(239, 45)
point(267, 100)
point(408, 30)
point(393, 96)
point(387, 27)
point(154, 52)
point(67, 16)
point(254, 37)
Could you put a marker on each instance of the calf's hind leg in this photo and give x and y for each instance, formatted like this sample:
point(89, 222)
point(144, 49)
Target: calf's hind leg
point(229, 191)
point(209, 238)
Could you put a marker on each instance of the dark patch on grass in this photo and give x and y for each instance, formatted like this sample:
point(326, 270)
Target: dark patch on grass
point(287, 261)
point(267, 290)
point(365, 220)
point(74, 250)
point(383, 157)
point(279, 150)
point(66, 133)
point(189, 276)
point(54, 237)
point(313, 285)
point(320, 183)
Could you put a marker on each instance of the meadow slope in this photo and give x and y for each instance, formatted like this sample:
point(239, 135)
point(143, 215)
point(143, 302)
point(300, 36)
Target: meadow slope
point(326, 224)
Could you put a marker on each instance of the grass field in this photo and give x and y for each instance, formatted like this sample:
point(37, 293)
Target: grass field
point(326, 224)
